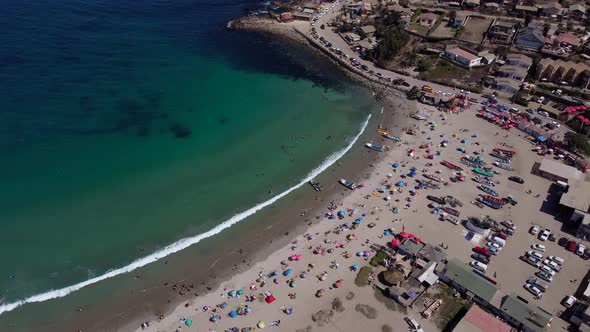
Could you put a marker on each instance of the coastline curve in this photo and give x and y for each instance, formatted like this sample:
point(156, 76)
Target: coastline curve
point(187, 242)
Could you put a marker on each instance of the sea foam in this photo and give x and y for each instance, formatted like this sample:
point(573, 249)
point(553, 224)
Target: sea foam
point(186, 242)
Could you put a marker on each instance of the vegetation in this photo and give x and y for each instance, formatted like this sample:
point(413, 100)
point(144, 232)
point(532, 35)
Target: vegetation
point(450, 307)
point(452, 16)
point(501, 51)
point(424, 64)
point(378, 258)
point(363, 276)
point(345, 27)
point(392, 39)
point(479, 223)
point(414, 93)
point(579, 142)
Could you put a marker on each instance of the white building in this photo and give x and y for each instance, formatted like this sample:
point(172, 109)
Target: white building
point(463, 57)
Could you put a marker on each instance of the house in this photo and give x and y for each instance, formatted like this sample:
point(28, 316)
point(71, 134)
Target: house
point(462, 57)
point(430, 98)
point(460, 276)
point(577, 201)
point(486, 57)
point(553, 9)
point(577, 74)
point(512, 72)
point(525, 316)
point(502, 31)
point(478, 320)
point(531, 10)
point(352, 37)
point(577, 12)
point(302, 16)
point(471, 4)
point(506, 85)
point(557, 171)
point(368, 30)
point(531, 37)
point(427, 19)
point(519, 60)
point(286, 17)
point(491, 7)
point(567, 39)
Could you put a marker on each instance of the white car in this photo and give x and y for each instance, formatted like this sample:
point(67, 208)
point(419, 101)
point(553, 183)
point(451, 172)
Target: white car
point(534, 230)
point(580, 249)
point(538, 247)
point(478, 266)
point(533, 290)
point(547, 269)
point(494, 245)
point(545, 276)
point(414, 325)
point(569, 301)
point(557, 259)
point(541, 99)
point(554, 266)
point(544, 235)
point(543, 113)
point(534, 254)
point(555, 124)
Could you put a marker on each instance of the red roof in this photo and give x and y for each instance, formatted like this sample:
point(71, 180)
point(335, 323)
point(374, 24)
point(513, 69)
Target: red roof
point(568, 38)
point(484, 321)
point(464, 54)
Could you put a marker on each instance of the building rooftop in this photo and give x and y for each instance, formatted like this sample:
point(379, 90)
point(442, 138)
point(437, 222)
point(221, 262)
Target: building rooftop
point(517, 57)
point(507, 82)
point(577, 197)
point(478, 320)
point(462, 53)
point(511, 69)
point(534, 317)
point(560, 169)
point(411, 246)
point(461, 274)
point(429, 252)
point(507, 24)
point(568, 38)
point(428, 16)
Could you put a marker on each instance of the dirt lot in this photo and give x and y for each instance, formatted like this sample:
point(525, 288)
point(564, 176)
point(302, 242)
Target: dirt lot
point(418, 29)
point(443, 31)
point(474, 30)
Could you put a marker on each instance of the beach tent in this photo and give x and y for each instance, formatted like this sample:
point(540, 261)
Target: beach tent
point(287, 272)
point(400, 183)
point(188, 322)
point(261, 324)
point(292, 284)
point(541, 138)
point(270, 299)
point(233, 313)
point(357, 221)
point(338, 284)
point(355, 267)
point(240, 291)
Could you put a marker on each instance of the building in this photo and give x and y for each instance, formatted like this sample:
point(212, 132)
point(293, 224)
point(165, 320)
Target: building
point(478, 320)
point(577, 12)
point(459, 21)
point(577, 201)
point(553, 9)
point(460, 276)
point(302, 16)
point(430, 98)
point(525, 316)
point(557, 171)
point(502, 31)
point(486, 57)
point(410, 247)
point(531, 10)
point(471, 4)
point(462, 57)
point(519, 60)
point(506, 85)
point(427, 19)
point(574, 73)
point(286, 17)
point(368, 30)
point(531, 37)
point(512, 72)
point(567, 39)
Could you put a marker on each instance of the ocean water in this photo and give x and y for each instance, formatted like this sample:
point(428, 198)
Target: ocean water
point(128, 125)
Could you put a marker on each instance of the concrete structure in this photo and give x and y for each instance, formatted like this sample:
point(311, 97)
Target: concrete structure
point(576, 74)
point(463, 57)
point(427, 19)
point(557, 171)
point(506, 85)
point(478, 320)
point(519, 60)
point(531, 37)
point(512, 72)
point(502, 31)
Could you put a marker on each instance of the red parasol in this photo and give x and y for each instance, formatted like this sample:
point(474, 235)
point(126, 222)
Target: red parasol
point(418, 240)
point(395, 243)
point(404, 234)
point(270, 299)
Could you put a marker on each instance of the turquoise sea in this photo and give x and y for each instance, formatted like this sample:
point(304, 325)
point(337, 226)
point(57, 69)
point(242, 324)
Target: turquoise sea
point(128, 125)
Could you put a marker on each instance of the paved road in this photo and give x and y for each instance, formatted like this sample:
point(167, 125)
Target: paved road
point(338, 42)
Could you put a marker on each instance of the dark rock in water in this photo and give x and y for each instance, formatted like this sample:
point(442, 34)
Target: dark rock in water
point(223, 120)
point(180, 131)
point(86, 104)
point(144, 131)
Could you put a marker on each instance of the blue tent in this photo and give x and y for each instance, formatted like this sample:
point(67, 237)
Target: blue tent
point(358, 221)
point(542, 139)
point(233, 313)
point(395, 165)
point(287, 272)
point(400, 183)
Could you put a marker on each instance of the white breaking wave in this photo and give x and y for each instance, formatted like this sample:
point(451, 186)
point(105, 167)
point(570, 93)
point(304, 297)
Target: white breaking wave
point(186, 242)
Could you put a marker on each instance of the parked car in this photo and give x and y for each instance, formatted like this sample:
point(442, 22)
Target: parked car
point(580, 249)
point(500, 235)
point(543, 113)
point(571, 246)
point(413, 323)
point(548, 270)
point(544, 275)
point(538, 247)
point(493, 250)
point(552, 237)
point(509, 224)
point(494, 245)
point(541, 99)
point(534, 290)
point(534, 230)
point(436, 199)
point(534, 254)
point(534, 261)
point(478, 266)
point(516, 179)
point(569, 301)
point(552, 265)
point(555, 124)
point(557, 259)
point(482, 251)
point(530, 110)
point(544, 235)
point(481, 258)
point(563, 241)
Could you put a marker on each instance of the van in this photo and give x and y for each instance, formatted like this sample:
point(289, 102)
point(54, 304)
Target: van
point(543, 286)
point(426, 88)
point(498, 240)
point(478, 266)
